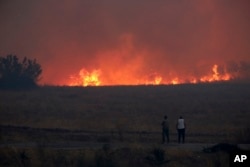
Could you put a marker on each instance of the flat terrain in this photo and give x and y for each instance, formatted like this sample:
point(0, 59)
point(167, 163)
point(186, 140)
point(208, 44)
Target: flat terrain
point(221, 110)
point(68, 139)
point(25, 146)
point(77, 121)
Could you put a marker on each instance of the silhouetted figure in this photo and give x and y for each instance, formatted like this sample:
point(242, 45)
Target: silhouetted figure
point(180, 126)
point(165, 130)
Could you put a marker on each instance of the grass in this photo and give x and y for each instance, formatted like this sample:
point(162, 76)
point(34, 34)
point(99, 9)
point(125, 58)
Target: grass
point(210, 108)
point(130, 114)
point(127, 156)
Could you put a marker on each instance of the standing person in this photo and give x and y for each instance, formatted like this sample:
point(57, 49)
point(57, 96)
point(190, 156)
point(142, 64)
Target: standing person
point(165, 129)
point(180, 126)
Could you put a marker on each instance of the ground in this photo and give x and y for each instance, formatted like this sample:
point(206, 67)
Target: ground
point(120, 126)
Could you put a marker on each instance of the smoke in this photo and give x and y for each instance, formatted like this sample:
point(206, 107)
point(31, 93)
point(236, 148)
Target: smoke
point(144, 37)
point(239, 70)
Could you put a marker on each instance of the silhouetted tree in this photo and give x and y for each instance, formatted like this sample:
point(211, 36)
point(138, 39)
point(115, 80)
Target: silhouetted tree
point(15, 74)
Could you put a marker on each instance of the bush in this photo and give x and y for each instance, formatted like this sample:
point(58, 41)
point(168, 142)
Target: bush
point(15, 74)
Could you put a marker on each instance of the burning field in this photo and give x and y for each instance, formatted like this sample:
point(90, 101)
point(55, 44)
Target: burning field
point(118, 67)
point(128, 65)
point(82, 43)
point(97, 78)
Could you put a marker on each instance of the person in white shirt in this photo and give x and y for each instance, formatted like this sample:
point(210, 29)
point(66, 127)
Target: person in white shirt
point(180, 126)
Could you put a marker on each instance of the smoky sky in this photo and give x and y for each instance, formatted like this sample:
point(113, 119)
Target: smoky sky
point(171, 37)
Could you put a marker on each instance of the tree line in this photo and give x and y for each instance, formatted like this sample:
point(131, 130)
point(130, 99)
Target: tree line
point(16, 74)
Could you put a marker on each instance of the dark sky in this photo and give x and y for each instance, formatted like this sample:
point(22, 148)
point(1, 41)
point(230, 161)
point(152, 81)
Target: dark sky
point(128, 40)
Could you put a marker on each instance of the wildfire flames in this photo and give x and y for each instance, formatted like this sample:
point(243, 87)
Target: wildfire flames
point(126, 64)
point(86, 78)
point(216, 76)
point(95, 78)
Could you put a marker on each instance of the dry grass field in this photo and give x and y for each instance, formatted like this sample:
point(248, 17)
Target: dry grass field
point(214, 113)
point(214, 109)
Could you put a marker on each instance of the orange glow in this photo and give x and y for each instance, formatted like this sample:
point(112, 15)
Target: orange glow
point(215, 76)
point(158, 80)
point(175, 81)
point(86, 78)
point(95, 78)
point(126, 65)
point(152, 79)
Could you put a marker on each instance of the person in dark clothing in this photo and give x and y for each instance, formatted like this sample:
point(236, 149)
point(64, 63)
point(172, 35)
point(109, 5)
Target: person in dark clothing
point(165, 130)
point(180, 126)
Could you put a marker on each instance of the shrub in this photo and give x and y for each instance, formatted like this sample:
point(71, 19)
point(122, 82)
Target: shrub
point(15, 74)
